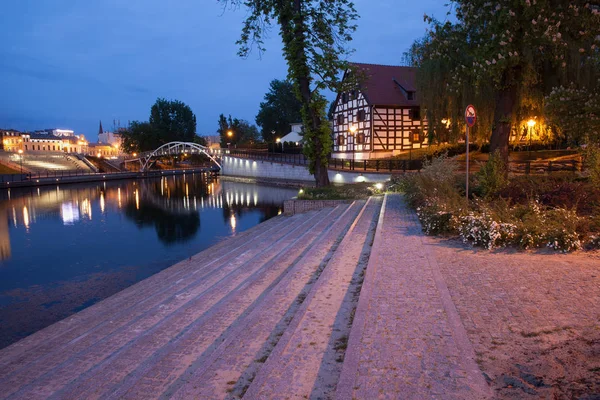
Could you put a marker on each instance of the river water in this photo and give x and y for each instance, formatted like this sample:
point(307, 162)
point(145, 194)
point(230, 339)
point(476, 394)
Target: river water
point(64, 248)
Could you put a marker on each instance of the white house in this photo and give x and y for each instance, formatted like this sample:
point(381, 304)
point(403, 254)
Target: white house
point(295, 135)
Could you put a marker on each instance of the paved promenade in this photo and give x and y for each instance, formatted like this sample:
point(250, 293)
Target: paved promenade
point(407, 340)
point(351, 302)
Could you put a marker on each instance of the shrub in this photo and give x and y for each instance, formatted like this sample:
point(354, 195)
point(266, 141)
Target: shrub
point(492, 176)
point(436, 220)
point(482, 228)
point(592, 164)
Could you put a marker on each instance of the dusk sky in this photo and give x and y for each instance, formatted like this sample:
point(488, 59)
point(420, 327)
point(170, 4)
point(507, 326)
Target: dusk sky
point(68, 64)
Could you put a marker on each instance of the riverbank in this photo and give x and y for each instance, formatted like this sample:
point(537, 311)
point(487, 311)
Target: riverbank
point(345, 302)
point(55, 178)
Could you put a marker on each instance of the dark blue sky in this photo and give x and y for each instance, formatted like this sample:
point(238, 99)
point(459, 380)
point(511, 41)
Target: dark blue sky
point(69, 64)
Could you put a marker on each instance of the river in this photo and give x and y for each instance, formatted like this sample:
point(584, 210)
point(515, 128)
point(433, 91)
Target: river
point(64, 248)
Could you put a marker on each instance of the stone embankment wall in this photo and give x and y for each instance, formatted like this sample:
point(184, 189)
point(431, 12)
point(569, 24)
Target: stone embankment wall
point(233, 166)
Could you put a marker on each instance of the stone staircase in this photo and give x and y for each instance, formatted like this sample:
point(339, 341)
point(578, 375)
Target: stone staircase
point(266, 314)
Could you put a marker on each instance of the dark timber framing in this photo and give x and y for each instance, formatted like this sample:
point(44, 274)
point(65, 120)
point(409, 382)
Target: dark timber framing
point(374, 130)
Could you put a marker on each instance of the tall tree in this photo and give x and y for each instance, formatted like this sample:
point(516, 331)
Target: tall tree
point(315, 34)
point(280, 109)
point(173, 120)
point(140, 136)
point(507, 55)
point(235, 131)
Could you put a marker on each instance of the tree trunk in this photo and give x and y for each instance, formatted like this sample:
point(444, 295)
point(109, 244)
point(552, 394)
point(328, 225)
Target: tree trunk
point(301, 73)
point(506, 100)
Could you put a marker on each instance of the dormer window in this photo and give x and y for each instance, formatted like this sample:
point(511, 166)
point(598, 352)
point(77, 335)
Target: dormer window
point(410, 95)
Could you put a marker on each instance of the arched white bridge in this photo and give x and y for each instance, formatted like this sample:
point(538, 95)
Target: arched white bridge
point(171, 149)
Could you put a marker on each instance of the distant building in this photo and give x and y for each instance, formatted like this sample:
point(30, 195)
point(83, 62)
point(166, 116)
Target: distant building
point(381, 117)
point(45, 142)
point(295, 134)
point(113, 139)
point(10, 140)
point(213, 141)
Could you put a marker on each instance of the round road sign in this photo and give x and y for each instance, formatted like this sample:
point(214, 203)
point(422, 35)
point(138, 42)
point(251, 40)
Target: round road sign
point(470, 115)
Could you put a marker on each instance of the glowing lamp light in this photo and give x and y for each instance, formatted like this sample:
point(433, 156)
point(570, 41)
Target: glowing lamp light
point(378, 186)
point(230, 133)
point(278, 140)
point(531, 123)
point(135, 154)
point(353, 129)
point(99, 155)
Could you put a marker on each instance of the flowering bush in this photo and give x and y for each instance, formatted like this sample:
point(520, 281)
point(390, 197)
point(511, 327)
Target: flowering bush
point(480, 229)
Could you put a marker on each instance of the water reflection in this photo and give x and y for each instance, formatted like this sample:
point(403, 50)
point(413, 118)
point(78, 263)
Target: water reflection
point(170, 204)
point(64, 248)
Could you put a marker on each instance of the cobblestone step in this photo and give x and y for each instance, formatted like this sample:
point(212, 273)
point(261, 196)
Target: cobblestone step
point(407, 340)
point(233, 365)
point(303, 363)
point(93, 371)
point(24, 351)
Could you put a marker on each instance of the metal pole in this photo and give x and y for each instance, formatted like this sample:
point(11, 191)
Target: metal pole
point(467, 185)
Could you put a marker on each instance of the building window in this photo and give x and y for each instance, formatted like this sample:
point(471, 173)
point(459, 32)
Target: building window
point(25, 147)
point(415, 114)
point(344, 97)
point(360, 115)
point(360, 138)
point(341, 140)
point(340, 119)
point(415, 137)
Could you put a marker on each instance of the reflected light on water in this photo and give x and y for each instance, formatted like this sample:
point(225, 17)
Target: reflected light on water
point(26, 217)
point(86, 208)
point(233, 222)
point(119, 196)
point(68, 213)
point(102, 202)
point(137, 200)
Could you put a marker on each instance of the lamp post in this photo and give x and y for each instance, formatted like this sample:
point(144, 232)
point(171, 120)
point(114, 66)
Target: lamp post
point(530, 125)
point(229, 135)
point(352, 133)
point(21, 158)
point(278, 140)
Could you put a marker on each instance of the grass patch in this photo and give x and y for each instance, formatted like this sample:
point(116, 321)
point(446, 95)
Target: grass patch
point(355, 191)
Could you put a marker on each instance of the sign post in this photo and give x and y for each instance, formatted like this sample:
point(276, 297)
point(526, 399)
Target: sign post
point(470, 118)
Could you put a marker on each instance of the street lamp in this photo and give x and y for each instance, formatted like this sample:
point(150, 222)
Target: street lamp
point(278, 140)
point(229, 135)
point(353, 129)
point(21, 157)
point(530, 125)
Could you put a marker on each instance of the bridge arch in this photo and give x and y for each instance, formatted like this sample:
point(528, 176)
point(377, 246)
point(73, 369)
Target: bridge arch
point(174, 148)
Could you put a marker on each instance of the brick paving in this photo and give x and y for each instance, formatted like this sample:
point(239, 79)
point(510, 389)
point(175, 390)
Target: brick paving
point(266, 314)
point(407, 340)
point(293, 369)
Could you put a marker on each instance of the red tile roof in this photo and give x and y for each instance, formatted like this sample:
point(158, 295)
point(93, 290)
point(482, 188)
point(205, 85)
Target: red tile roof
point(382, 84)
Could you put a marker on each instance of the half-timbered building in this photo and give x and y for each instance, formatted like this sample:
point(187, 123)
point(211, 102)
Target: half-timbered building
point(381, 117)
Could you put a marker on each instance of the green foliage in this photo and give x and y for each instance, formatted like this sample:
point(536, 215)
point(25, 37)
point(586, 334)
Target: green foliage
point(140, 136)
point(173, 121)
point(493, 175)
point(503, 57)
point(314, 35)
point(280, 109)
point(496, 222)
point(575, 112)
point(169, 121)
point(592, 164)
point(242, 132)
point(344, 192)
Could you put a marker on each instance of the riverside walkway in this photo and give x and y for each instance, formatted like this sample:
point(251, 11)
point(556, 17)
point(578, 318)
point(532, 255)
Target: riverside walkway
point(351, 302)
